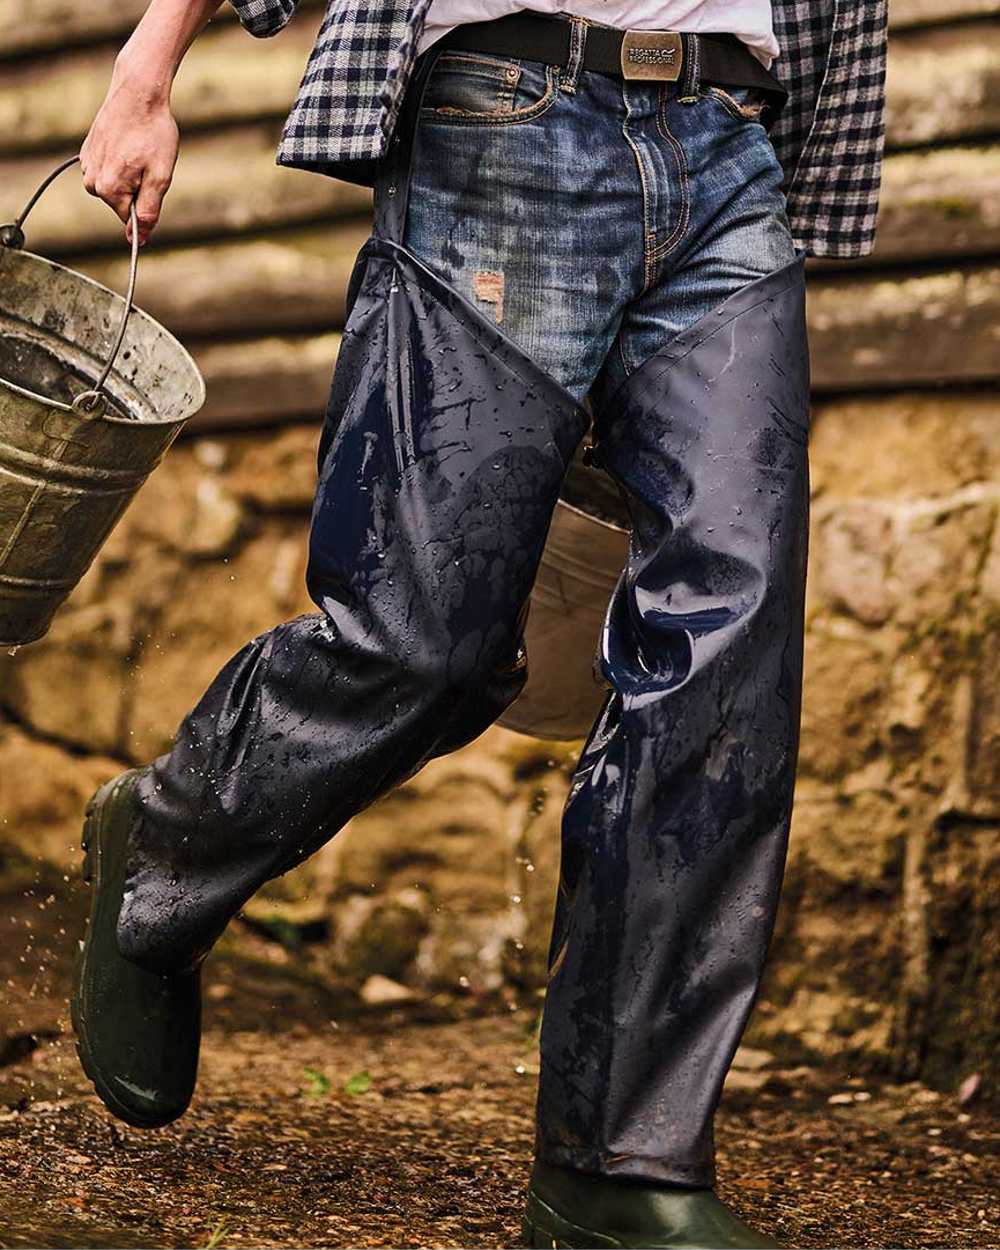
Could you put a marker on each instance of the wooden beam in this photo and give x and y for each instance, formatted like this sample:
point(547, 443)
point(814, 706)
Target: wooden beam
point(265, 381)
point(49, 100)
point(906, 13)
point(246, 286)
point(939, 205)
point(26, 25)
point(892, 332)
point(226, 184)
point(944, 85)
point(37, 25)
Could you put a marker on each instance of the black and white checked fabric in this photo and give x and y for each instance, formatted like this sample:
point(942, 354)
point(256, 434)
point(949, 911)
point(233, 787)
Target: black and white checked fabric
point(829, 138)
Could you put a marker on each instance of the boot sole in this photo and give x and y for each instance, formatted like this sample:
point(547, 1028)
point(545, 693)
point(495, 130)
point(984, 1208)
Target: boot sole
point(543, 1227)
point(92, 864)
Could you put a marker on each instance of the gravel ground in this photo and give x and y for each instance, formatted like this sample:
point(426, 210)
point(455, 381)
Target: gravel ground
point(319, 1123)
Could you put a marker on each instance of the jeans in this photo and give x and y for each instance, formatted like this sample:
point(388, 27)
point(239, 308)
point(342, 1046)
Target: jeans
point(593, 219)
point(545, 236)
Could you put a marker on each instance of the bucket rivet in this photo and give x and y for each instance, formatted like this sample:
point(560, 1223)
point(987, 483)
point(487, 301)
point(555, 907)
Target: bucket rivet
point(90, 403)
point(12, 236)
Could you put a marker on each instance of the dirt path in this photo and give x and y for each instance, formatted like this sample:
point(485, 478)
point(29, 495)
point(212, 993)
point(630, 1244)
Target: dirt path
point(316, 1125)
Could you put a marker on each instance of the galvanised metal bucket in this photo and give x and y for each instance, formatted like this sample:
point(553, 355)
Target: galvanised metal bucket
point(584, 555)
point(92, 393)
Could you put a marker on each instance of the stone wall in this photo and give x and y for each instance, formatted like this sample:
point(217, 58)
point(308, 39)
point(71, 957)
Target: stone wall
point(886, 946)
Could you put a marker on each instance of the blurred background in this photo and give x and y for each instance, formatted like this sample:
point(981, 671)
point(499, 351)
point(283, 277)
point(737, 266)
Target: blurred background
point(886, 955)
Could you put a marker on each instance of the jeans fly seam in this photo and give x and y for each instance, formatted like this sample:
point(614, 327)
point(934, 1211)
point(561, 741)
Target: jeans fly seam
point(649, 272)
point(662, 250)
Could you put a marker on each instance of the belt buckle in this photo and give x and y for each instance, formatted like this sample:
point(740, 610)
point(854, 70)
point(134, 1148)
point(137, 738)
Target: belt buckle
point(652, 54)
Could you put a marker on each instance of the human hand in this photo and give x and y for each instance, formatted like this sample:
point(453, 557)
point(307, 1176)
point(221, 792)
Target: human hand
point(131, 149)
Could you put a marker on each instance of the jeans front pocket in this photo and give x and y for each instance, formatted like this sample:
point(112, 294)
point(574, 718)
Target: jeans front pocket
point(477, 87)
point(746, 104)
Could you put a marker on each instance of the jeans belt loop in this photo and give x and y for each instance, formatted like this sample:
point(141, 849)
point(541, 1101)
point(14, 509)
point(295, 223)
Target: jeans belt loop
point(570, 76)
point(690, 87)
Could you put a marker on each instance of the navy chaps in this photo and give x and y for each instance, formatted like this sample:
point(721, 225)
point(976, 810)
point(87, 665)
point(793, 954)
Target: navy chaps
point(440, 464)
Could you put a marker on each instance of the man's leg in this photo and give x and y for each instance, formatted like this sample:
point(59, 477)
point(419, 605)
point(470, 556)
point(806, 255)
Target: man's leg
point(675, 831)
point(422, 569)
point(440, 465)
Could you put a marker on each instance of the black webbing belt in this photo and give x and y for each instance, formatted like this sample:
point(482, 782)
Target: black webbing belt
point(660, 56)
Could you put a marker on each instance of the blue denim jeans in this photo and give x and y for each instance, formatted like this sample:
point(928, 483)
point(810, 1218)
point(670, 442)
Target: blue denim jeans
point(562, 236)
point(592, 218)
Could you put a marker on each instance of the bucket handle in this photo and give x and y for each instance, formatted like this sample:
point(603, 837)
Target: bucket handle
point(92, 403)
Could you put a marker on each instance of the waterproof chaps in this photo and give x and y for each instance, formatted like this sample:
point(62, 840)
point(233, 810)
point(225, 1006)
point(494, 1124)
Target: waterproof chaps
point(440, 465)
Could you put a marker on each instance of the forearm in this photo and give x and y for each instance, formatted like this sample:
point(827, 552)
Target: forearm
point(149, 61)
point(131, 148)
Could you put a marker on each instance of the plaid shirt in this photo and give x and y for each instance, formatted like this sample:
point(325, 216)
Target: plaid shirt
point(829, 137)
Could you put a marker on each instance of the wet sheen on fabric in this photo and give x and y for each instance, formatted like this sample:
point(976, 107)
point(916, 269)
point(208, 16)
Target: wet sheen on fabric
point(666, 289)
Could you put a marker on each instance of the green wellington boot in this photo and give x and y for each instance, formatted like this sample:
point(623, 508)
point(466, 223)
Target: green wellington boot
point(138, 1033)
point(567, 1208)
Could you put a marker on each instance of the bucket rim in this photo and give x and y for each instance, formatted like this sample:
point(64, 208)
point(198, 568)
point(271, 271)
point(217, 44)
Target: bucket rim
point(108, 416)
point(24, 642)
point(608, 525)
point(200, 392)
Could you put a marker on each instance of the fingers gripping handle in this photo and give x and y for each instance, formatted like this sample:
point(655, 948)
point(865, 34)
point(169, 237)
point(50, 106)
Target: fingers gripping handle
point(92, 403)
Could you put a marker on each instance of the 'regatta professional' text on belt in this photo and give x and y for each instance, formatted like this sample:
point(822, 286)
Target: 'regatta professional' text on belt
point(655, 55)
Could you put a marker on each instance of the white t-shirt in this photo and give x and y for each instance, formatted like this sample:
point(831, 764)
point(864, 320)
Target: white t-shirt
point(749, 20)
